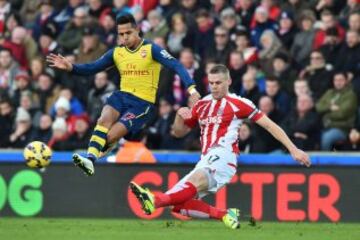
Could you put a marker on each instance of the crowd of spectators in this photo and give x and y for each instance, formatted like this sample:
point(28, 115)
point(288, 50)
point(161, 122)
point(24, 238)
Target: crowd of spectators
point(299, 61)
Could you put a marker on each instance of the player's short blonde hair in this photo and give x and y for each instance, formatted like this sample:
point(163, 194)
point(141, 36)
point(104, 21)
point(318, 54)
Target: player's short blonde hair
point(220, 69)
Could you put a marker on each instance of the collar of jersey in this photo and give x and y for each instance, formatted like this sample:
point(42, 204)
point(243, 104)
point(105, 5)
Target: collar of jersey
point(136, 49)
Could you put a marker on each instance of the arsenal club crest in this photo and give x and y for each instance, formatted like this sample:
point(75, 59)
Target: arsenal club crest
point(143, 53)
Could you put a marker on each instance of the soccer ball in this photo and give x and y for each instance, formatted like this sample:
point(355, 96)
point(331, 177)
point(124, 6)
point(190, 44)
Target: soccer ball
point(37, 154)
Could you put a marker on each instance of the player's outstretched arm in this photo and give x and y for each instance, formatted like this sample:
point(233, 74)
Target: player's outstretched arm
point(179, 129)
point(59, 62)
point(101, 64)
point(163, 57)
point(280, 135)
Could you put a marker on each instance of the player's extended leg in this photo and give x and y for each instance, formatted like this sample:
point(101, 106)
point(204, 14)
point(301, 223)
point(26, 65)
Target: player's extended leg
point(116, 132)
point(109, 115)
point(199, 209)
point(196, 182)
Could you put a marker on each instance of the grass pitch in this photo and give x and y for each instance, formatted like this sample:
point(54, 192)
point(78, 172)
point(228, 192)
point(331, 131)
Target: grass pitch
point(78, 229)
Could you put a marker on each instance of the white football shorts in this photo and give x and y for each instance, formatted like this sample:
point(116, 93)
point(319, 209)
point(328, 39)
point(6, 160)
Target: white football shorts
point(220, 165)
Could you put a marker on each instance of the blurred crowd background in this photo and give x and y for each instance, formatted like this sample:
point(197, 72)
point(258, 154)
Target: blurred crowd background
point(298, 61)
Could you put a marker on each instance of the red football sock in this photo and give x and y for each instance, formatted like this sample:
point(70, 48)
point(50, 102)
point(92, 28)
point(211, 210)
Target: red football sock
point(199, 209)
point(187, 193)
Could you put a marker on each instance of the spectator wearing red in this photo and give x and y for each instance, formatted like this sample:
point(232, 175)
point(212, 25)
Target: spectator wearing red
point(17, 47)
point(328, 20)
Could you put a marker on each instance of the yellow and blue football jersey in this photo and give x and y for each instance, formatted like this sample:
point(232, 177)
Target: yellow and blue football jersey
point(139, 68)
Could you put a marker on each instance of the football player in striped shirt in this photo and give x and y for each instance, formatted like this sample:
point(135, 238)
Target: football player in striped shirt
point(219, 116)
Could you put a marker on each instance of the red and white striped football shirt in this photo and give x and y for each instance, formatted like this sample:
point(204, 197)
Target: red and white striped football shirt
point(220, 120)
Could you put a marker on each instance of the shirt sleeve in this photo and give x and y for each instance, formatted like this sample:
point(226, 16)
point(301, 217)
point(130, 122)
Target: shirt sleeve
point(247, 109)
point(191, 122)
point(163, 57)
point(101, 64)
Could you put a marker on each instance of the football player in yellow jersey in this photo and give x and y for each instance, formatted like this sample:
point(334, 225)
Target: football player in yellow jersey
point(128, 109)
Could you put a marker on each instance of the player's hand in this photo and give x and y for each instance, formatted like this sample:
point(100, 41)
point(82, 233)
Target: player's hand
point(300, 156)
point(59, 61)
point(194, 97)
point(184, 113)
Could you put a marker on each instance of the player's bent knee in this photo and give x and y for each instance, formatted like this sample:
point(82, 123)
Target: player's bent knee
point(199, 179)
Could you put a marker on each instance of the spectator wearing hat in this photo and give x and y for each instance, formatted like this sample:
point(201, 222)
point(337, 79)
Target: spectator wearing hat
point(107, 31)
point(78, 139)
point(43, 132)
point(8, 69)
point(23, 129)
point(331, 46)
point(303, 41)
point(297, 7)
point(91, 48)
point(158, 25)
point(47, 14)
point(7, 119)
point(262, 23)
point(29, 102)
point(17, 47)
point(287, 29)
point(22, 84)
point(47, 40)
point(71, 36)
point(76, 107)
point(48, 92)
point(230, 21)
point(328, 20)
point(282, 70)
point(59, 134)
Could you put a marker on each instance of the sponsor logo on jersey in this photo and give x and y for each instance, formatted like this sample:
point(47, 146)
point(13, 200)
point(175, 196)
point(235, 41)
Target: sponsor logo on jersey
point(213, 120)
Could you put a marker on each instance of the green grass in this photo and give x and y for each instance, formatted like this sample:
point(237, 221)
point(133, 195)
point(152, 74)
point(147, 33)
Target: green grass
point(119, 229)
